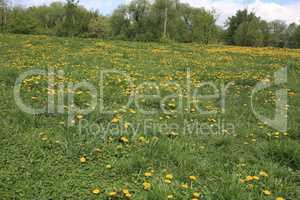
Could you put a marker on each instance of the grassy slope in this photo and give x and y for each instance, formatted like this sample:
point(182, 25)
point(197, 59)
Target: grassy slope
point(33, 168)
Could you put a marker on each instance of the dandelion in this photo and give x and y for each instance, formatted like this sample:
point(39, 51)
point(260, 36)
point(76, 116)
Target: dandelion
point(96, 190)
point(184, 186)
point(196, 194)
point(44, 136)
point(263, 173)
point(147, 185)
point(82, 159)
point(193, 178)
point(112, 194)
point(148, 174)
point(280, 198)
point(115, 119)
point(79, 117)
point(108, 166)
point(169, 176)
point(170, 196)
point(251, 178)
point(124, 140)
point(128, 196)
point(267, 192)
point(126, 193)
point(168, 181)
point(126, 125)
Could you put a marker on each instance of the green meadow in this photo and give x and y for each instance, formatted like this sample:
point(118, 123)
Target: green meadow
point(181, 123)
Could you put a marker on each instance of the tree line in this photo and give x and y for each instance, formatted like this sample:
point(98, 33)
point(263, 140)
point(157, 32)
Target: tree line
point(145, 20)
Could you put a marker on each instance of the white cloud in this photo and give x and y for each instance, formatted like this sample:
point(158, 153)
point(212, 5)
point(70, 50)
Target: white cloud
point(266, 10)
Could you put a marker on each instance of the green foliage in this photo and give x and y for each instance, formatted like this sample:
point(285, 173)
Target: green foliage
point(296, 37)
point(233, 23)
point(148, 20)
point(143, 21)
point(249, 33)
point(278, 35)
point(20, 21)
point(98, 27)
point(246, 29)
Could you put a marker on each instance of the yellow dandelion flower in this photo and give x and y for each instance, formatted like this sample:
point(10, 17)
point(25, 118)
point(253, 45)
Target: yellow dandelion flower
point(263, 173)
point(44, 137)
point(147, 185)
point(82, 159)
point(115, 120)
point(170, 196)
point(196, 194)
point(280, 198)
point(126, 125)
point(125, 191)
point(168, 181)
point(112, 194)
point(124, 139)
point(193, 178)
point(148, 174)
point(184, 186)
point(96, 190)
point(169, 176)
point(249, 178)
point(79, 116)
point(267, 192)
point(108, 166)
point(128, 196)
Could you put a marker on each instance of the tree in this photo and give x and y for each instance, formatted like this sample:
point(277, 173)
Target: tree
point(277, 30)
point(98, 27)
point(67, 27)
point(249, 33)
point(296, 37)
point(290, 31)
point(233, 23)
point(135, 21)
point(3, 13)
point(204, 28)
point(120, 23)
point(166, 14)
point(22, 22)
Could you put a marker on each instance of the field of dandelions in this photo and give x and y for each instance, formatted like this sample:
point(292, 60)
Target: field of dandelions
point(46, 156)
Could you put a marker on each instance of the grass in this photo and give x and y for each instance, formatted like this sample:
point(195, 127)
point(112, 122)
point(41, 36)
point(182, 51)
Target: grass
point(40, 154)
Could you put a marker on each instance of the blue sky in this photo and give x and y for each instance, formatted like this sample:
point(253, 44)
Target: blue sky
point(286, 10)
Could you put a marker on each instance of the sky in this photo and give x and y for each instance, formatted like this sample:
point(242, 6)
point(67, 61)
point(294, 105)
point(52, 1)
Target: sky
point(286, 10)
